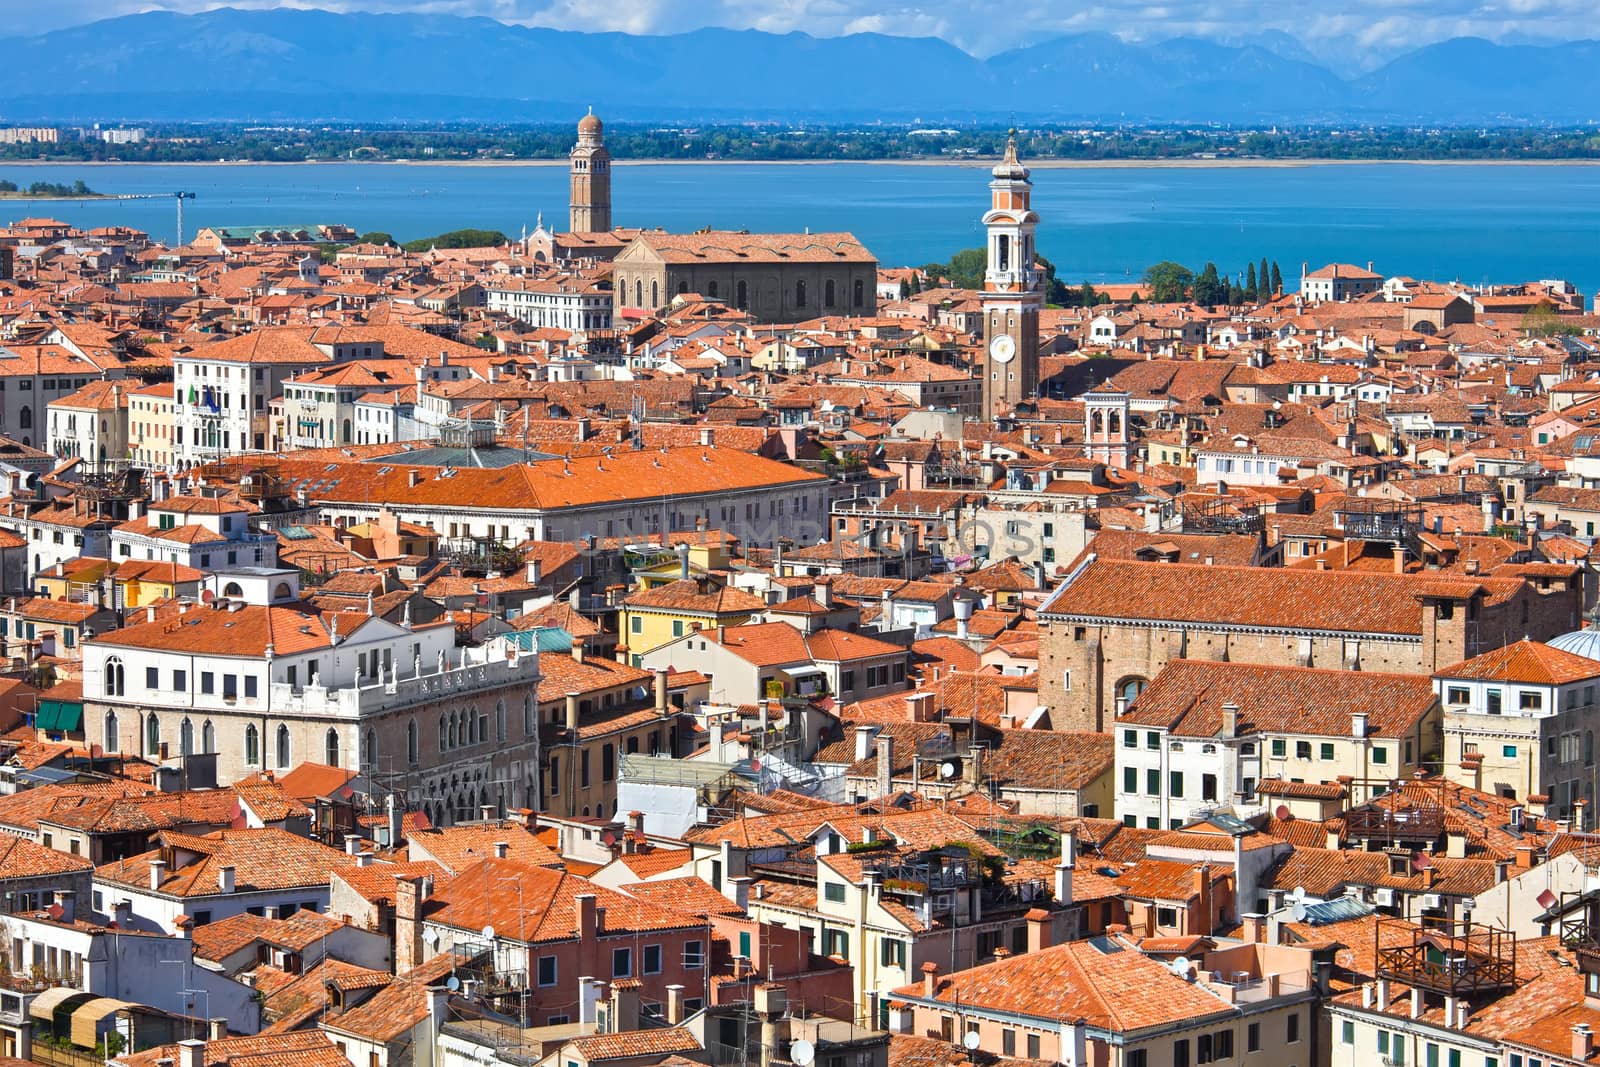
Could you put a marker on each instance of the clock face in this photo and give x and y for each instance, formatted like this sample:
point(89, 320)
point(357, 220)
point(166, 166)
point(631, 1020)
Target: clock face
point(1003, 348)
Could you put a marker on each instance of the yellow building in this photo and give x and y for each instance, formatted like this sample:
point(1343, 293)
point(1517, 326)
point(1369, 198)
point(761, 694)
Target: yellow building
point(652, 617)
point(150, 422)
point(141, 582)
point(691, 554)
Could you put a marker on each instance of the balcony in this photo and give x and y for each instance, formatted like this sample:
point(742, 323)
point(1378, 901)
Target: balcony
point(1454, 959)
point(1423, 823)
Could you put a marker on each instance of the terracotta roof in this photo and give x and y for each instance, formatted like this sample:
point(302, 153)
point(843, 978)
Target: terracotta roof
point(1526, 661)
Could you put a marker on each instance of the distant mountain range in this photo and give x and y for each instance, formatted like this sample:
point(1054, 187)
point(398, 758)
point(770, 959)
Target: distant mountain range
point(300, 65)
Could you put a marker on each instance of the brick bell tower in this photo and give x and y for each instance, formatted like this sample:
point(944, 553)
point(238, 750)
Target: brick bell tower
point(590, 169)
point(1012, 289)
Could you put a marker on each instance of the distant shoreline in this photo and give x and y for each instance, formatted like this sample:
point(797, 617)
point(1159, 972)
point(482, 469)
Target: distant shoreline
point(968, 164)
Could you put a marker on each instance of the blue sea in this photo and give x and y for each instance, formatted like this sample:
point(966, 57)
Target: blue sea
point(1472, 223)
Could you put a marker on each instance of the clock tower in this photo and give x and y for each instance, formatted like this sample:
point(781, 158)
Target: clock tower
point(1012, 289)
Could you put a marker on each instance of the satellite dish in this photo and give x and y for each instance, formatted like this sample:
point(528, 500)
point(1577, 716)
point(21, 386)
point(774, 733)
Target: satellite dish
point(207, 596)
point(1548, 900)
point(1183, 966)
point(488, 933)
point(1299, 894)
point(947, 769)
point(432, 938)
point(1281, 812)
point(971, 1041)
point(452, 983)
point(1298, 912)
point(802, 1052)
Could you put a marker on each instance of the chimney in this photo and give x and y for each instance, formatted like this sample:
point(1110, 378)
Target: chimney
point(741, 891)
point(930, 979)
point(1038, 929)
point(1230, 719)
point(407, 924)
point(1069, 860)
point(974, 767)
point(225, 876)
point(191, 1053)
point(674, 1005)
point(572, 712)
point(588, 917)
point(624, 1006)
point(585, 430)
point(501, 848)
point(413, 478)
point(885, 765)
point(662, 703)
point(158, 873)
point(683, 560)
point(395, 823)
point(822, 592)
point(708, 437)
point(535, 571)
point(864, 738)
point(963, 609)
point(1358, 725)
point(216, 1029)
point(1582, 1042)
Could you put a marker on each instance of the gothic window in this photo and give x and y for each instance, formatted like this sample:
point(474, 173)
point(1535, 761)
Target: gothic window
point(208, 737)
point(444, 737)
point(252, 746)
point(742, 299)
point(369, 749)
point(114, 677)
point(655, 297)
point(332, 746)
point(827, 293)
point(1003, 260)
point(413, 742)
point(26, 418)
point(152, 735)
point(283, 746)
point(859, 294)
point(112, 742)
point(638, 292)
point(186, 738)
point(1130, 688)
point(800, 293)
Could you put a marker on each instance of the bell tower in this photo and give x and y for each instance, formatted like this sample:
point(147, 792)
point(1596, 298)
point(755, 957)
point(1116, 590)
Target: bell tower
point(590, 168)
point(1012, 289)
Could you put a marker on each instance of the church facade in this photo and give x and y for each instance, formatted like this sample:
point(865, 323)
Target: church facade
point(776, 277)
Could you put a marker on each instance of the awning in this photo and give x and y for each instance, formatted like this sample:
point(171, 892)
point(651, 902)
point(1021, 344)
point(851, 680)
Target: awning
point(87, 1018)
point(45, 1004)
point(63, 715)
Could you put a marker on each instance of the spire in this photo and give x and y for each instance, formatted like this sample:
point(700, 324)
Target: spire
point(1010, 168)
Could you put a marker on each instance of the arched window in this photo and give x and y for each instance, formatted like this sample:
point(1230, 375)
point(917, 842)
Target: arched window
point(252, 746)
point(186, 738)
point(444, 734)
point(114, 677)
point(827, 293)
point(1003, 259)
point(638, 292)
point(742, 297)
point(113, 742)
point(1097, 422)
point(25, 418)
point(528, 725)
point(369, 749)
point(332, 748)
point(608, 761)
point(208, 737)
point(1128, 689)
point(683, 286)
point(711, 290)
point(152, 735)
point(232, 589)
point(1116, 423)
point(860, 298)
point(800, 293)
point(283, 746)
point(281, 591)
point(500, 720)
point(413, 742)
point(655, 295)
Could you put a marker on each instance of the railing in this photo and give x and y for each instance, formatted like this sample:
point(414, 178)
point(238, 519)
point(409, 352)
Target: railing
point(1409, 824)
point(1454, 959)
point(401, 690)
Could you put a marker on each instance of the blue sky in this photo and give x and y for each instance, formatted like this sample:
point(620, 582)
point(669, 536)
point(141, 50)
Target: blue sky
point(1352, 33)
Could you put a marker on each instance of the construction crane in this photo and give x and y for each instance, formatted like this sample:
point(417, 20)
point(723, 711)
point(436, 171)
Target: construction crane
point(178, 196)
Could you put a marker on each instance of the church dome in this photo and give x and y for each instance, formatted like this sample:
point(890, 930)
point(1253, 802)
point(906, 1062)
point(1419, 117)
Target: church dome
point(1579, 643)
point(1010, 168)
point(590, 125)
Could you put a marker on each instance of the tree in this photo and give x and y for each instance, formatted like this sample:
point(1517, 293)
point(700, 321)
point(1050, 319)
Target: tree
point(1209, 289)
point(1542, 320)
point(1250, 283)
point(458, 239)
point(1277, 279)
point(1264, 282)
point(966, 268)
point(1235, 295)
point(905, 289)
point(378, 237)
point(1088, 296)
point(1168, 281)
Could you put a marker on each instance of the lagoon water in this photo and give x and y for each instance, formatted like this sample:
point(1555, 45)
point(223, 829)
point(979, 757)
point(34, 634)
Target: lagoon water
point(1474, 223)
